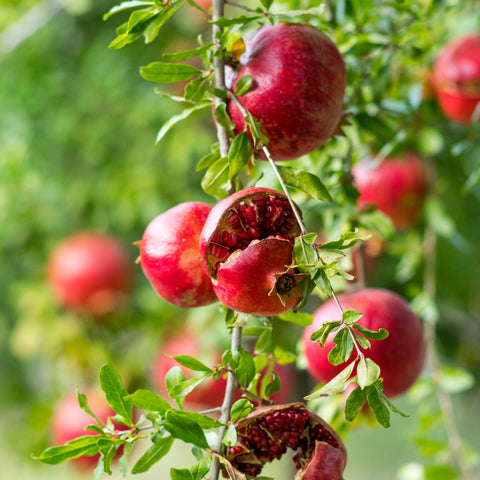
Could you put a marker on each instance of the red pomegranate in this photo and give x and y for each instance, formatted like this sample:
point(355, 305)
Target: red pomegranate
point(69, 422)
point(400, 356)
point(90, 272)
point(456, 78)
point(298, 85)
point(170, 257)
point(246, 245)
point(396, 186)
point(269, 431)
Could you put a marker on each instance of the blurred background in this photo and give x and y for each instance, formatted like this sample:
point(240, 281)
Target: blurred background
point(77, 152)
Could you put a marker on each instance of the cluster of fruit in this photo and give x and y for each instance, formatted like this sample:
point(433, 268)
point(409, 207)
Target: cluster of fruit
point(240, 252)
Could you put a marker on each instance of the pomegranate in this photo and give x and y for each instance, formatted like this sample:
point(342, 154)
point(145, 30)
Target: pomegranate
point(90, 272)
point(298, 85)
point(170, 257)
point(69, 422)
point(400, 356)
point(456, 78)
point(246, 245)
point(396, 186)
point(268, 432)
point(209, 393)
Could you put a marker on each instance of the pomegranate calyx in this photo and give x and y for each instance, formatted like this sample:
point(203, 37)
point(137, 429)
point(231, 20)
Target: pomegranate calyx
point(286, 285)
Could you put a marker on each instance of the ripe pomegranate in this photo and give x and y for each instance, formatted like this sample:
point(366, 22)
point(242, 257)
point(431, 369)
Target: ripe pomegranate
point(246, 246)
point(396, 186)
point(400, 356)
point(170, 257)
point(69, 422)
point(298, 85)
point(456, 78)
point(90, 272)
point(209, 393)
point(267, 433)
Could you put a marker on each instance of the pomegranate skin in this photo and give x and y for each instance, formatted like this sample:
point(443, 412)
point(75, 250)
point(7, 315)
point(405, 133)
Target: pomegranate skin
point(170, 257)
point(400, 356)
point(90, 272)
point(396, 186)
point(298, 85)
point(243, 283)
point(456, 78)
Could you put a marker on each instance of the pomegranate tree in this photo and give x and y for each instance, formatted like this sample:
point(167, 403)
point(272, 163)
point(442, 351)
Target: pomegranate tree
point(170, 258)
point(269, 431)
point(90, 272)
point(400, 356)
point(246, 245)
point(298, 84)
point(456, 78)
point(396, 186)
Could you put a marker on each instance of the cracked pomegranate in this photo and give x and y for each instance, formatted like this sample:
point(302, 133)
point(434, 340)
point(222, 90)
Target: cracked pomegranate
point(456, 79)
point(400, 356)
point(246, 245)
point(269, 431)
point(170, 257)
point(298, 84)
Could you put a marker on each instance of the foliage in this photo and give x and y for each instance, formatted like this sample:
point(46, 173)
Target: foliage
point(103, 137)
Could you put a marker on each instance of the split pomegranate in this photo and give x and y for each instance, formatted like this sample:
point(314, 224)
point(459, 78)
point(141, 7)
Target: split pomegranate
point(246, 245)
point(456, 78)
point(298, 85)
point(269, 431)
point(170, 258)
point(400, 356)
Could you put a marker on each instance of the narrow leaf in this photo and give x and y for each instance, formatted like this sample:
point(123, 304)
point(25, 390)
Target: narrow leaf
point(184, 429)
point(306, 182)
point(380, 334)
point(239, 154)
point(192, 363)
point(115, 393)
point(155, 453)
point(378, 407)
point(126, 5)
point(147, 400)
point(354, 402)
point(240, 409)
point(324, 331)
point(343, 348)
point(86, 445)
point(298, 318)
point(216, 178)
point(245, 369)
point(162, 72)
point(243, 86)
point(335, 385)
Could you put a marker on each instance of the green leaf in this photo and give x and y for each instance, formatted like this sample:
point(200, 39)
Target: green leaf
point(195, 89)
point(147, 400)
point(378, 406)
point(126, 5)
point(83, 403)
point(162, 72)
point(242, 20)
point(208, 160)
point(282, 356)
point(124, 39)
point(306, 182)
point(380, 334)
point(265, 342)
point(181, 389)
point(216, 178)
point(178, 118)
point(298, 318)
point(245, 367)
point(153, 28)
point(192, 363)
point(187, 54)
point(456, 380)
point(139, 19)
point(203, 420)
point(266, 4)
point(240, 409)
point(368, 372)
point(440, 472)
point(115, 393)
point(86, 445)
point(243, 85)
point(197, 472)
point(239, 154)
point(155, 453)
point(343, 348)
point(184, 429)
point(324, 331)
point(351, 316)
point(354, 402)
point(223, 118)
point(335, 385)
